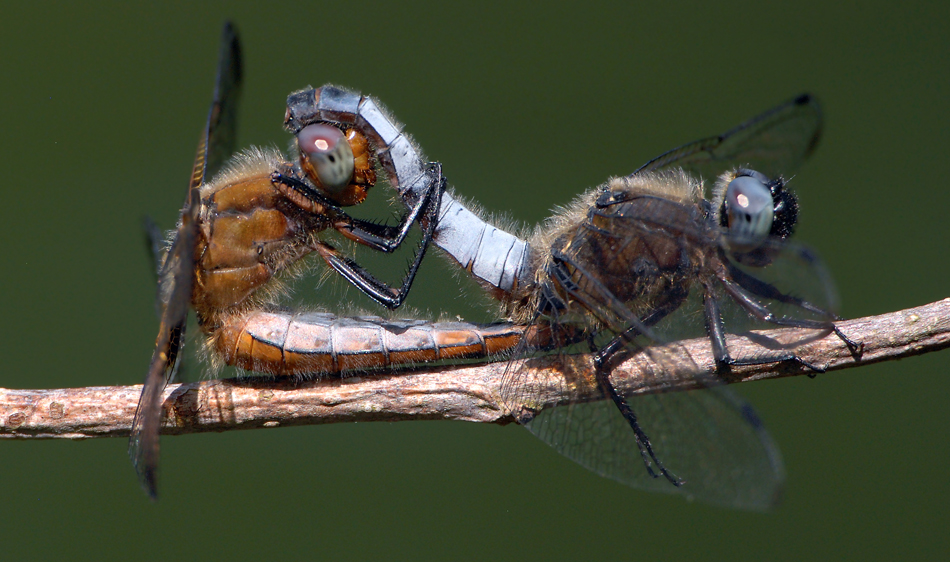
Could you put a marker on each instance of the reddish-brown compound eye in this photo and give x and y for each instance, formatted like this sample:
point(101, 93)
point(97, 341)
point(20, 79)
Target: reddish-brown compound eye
point(326, 156)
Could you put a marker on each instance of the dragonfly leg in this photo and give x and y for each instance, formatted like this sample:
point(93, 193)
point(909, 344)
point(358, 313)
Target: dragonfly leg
point(302, 193)
point(603, 366)
point(379, 237)
point(365, 281)
point(766, 290)
point(388, 238)
point(378, 290)
point(717, 336)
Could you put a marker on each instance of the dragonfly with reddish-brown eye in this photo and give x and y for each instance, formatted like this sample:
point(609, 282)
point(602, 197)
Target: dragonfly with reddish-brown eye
point(256, 218)
point(647, 259)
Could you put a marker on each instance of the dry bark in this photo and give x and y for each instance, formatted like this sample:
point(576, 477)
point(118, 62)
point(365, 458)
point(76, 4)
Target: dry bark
point(469, 393)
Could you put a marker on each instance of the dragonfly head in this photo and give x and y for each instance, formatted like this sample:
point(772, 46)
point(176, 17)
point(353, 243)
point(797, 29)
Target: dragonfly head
point(757, 214)
point(335, 156)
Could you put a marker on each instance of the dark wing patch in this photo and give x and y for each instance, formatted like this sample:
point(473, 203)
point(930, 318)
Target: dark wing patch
point(176, 275)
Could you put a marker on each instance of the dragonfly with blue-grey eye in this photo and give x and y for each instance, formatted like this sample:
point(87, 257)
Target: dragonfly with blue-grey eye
point(645, 259)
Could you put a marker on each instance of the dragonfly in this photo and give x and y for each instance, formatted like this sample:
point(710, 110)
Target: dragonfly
point(647, 259)
point(251, 220)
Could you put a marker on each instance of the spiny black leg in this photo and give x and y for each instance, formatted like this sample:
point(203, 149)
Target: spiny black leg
point(432, 208)
point(766, 290)
point(365, 281)
point(379, 237)
point(307, 191)
point(717, 336)
point(383, 231)
point(362, 279)
point(387, 238)
point(630, 334)
point(761, 312)
point(613, 353)
point(603, 365)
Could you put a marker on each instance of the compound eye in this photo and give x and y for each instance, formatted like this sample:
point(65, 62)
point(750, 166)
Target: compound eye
point(326, 156)
point(748, 206)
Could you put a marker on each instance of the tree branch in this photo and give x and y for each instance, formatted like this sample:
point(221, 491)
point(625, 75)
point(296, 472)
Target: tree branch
point(469, 393)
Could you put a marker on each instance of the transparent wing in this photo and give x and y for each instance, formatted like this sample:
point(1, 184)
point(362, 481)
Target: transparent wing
point(795, 285)
point(774, 143)
point(221, 131)
point(175, 277)
point(709, 438)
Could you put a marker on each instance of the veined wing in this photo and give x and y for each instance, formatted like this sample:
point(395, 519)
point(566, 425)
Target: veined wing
point(622, 268)
point(774, 143)
point(176, 276)
point(221, 130)
point(794, 286)
point(709, 438)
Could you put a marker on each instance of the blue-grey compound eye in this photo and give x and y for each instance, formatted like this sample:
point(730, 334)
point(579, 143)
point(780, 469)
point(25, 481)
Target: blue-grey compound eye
point(326, 156)
point(749, 211)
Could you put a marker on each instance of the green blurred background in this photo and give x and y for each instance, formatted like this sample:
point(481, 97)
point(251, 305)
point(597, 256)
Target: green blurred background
point(526, 107)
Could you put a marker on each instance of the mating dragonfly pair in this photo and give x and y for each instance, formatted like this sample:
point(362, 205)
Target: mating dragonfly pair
point(627, 265)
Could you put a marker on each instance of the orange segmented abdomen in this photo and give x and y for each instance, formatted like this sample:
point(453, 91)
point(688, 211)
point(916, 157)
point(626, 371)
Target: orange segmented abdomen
point(285, 343)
